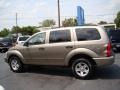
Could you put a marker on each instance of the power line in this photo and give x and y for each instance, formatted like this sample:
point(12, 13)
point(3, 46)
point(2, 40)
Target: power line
point(53, 17)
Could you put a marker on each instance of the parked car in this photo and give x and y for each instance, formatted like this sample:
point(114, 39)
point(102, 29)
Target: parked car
point(21, 39)
point(79, 48)
point(5, 44)
point(115, 39)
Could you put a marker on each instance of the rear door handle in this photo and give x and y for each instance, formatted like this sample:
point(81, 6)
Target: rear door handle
point(69, 47)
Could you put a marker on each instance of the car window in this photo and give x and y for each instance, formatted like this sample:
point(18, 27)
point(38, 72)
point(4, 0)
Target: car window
point(59, 36)
point(7, 40)
point(23, 38)
point(38, 39)
point(114, 34)
point(85, 34)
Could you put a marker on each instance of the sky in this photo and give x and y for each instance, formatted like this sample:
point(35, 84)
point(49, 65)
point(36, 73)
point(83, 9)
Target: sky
point(33, 12)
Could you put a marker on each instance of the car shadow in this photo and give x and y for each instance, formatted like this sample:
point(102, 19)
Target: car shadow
point(109, 72)
point(50, 70)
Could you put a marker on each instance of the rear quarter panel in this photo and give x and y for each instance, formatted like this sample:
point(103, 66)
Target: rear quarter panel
point(97, 46)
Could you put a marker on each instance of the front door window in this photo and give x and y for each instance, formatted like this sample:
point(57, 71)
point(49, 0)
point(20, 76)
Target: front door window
point(37, 39)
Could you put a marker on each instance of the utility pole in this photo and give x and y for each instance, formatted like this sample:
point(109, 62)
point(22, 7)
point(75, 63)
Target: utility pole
point(58, 13)
point(16, 20)
point(16, 24)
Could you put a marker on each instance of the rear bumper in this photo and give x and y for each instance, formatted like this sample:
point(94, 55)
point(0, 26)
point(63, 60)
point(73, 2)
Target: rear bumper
point(104, 61)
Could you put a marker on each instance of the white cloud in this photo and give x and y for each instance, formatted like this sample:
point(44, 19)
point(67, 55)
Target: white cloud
point(38, 6)
point(4, 4)
point(33, 11)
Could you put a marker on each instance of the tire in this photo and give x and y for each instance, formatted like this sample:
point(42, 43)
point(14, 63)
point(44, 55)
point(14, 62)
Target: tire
point(82, 68)
point(2, 50)
point(15, 64)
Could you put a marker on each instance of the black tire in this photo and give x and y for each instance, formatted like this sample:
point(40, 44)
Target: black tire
point(82, 68)
point(15, 64)
point(2, 50)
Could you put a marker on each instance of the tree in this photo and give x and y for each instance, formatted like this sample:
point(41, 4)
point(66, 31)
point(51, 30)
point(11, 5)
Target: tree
point(102, 22)
point(117, 19)
point(15, 29)
point(29, 30)
point(4, 32)
point(69, 22)
point(48, 23)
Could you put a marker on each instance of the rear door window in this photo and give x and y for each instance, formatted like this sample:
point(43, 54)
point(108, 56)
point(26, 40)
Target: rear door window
point(86, 34)
point(59, 36)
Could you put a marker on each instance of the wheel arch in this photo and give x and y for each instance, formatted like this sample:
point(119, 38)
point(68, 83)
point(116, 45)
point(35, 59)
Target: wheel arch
point(77, 56)
point(17, 54)
point(78, 53)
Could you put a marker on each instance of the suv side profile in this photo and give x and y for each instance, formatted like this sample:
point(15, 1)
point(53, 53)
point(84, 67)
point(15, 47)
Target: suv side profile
point(80, 48)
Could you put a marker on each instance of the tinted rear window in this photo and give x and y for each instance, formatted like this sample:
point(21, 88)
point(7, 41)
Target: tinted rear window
point(86, 34)
point(60, 36)
point(115, 34)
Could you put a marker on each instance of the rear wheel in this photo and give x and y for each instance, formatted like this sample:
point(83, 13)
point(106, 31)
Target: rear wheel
point(82, 68)
point(15, 64)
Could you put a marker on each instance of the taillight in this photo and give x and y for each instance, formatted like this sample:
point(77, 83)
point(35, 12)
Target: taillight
point(109, 50)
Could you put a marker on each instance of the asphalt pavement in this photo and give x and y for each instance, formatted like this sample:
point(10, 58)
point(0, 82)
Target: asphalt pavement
point(42, 78)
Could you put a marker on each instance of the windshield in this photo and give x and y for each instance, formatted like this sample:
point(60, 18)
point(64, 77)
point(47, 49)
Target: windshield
point(6, 40)
point(23, 38)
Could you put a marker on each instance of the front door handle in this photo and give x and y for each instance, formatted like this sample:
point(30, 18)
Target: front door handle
point(69, 47)
point(41, 48)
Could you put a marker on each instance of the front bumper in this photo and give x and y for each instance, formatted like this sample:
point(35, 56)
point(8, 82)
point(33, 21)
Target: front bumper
point(104, 61)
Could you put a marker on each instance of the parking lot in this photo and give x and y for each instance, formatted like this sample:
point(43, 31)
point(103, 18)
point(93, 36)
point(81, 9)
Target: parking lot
point(40, 78)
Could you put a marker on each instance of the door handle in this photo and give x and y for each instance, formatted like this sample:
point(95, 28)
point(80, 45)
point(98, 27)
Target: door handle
point(69, 47)
point(41, 48)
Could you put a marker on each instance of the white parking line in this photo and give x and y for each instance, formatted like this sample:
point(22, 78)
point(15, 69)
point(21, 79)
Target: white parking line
point(1, 88)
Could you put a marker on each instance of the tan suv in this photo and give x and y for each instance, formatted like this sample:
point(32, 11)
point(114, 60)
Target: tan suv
point(80, 48)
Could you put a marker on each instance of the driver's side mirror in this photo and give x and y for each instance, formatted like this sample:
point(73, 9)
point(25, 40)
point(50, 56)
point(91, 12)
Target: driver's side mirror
point(26, 44)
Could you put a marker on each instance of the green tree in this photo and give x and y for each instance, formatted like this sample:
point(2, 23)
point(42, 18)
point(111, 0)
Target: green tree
point(69, 22)
point(29, 30)
point(117, 19)
point(16, 29)
point(102, 22)
point(48, 23)
point(4, 32)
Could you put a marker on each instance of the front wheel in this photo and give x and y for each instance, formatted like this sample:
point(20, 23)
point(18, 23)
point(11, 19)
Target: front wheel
point(15, 64)
point(82, 68)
